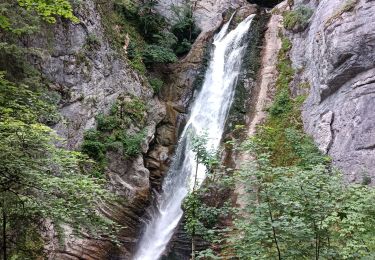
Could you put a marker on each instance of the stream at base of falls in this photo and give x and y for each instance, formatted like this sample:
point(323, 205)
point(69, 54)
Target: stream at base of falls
point(208, 115)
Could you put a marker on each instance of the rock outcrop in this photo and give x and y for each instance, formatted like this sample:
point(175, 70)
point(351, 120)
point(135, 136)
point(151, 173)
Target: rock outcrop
point(336, 55)
point(263, 93)
point(89, 74)
point(184, 77)
point(208, 14)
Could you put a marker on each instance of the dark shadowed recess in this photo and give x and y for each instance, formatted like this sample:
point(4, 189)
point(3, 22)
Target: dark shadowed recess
point(265, 3)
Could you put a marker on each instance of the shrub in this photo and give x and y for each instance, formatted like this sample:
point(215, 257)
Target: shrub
point(282, 133)
point(298, 19)
point(183, 47)
point(92, 42)
point(281, 105)
point(107, 123)
point(132, 143)
point(135, 109)
point(156, 84)
point(184, 29)
point(158, 54)
point(111, 134)
point(93, 146)
point(138, 65)
point(150, 22)
point(166, 39)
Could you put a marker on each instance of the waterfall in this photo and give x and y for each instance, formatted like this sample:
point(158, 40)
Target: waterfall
point(208, 114)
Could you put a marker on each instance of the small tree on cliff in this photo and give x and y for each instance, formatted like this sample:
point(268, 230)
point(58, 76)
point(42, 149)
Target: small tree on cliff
point(200, 216)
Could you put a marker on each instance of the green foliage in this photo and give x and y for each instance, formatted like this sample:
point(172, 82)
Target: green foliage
point(48, 10)
point(202, 213)
point(92, 42)
point(38, 180)
point(93, 147)
point(282, 134)
point(282, 104)
point(150, 21)
point(297, 207)
point(132, 143)
point(158, 54)
point(111, 132)
point(24, 16)
point(137, 64)
point(298, 19)
point(156, 84)
point(302, 213)
point(151, 40)
point(184, 28)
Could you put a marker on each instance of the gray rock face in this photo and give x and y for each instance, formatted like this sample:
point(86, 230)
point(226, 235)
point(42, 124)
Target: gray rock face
point(336, 54)
point(88, 73)
point(90, 76)
point(207, 13)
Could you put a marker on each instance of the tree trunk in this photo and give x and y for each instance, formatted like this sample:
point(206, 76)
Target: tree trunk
point(192, 248)
point(273, 228)
point(4, 233)
point(194, 211)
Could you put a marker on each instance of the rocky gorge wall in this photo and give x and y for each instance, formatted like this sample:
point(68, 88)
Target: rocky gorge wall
point(90, 76)
point(336, 56)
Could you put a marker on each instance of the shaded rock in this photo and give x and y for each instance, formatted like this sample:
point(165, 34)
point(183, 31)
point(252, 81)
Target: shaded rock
point(90, 78)
point(339, 63)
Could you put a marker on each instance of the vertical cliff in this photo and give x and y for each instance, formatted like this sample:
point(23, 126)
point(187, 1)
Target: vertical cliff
point(332, 54)
point(334, 58)
point(91, 75)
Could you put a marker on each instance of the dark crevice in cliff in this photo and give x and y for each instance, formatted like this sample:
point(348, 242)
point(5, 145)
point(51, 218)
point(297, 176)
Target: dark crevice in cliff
point(246, 89)
point(265, 3)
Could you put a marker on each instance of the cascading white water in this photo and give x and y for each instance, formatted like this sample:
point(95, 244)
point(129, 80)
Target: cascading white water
point(208, 114)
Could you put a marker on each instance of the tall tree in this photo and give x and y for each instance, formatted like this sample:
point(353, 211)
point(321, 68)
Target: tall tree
point(38, 180)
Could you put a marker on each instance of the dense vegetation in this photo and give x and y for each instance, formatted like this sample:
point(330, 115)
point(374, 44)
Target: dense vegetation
point(111, 133)
point(41, 185)
point(149, 38)
point(298, 19)
point(296, 205)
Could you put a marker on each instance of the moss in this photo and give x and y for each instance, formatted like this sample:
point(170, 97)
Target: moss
point(282, 134)
point(249, 71)
point(298, 19)
point(92, 42)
